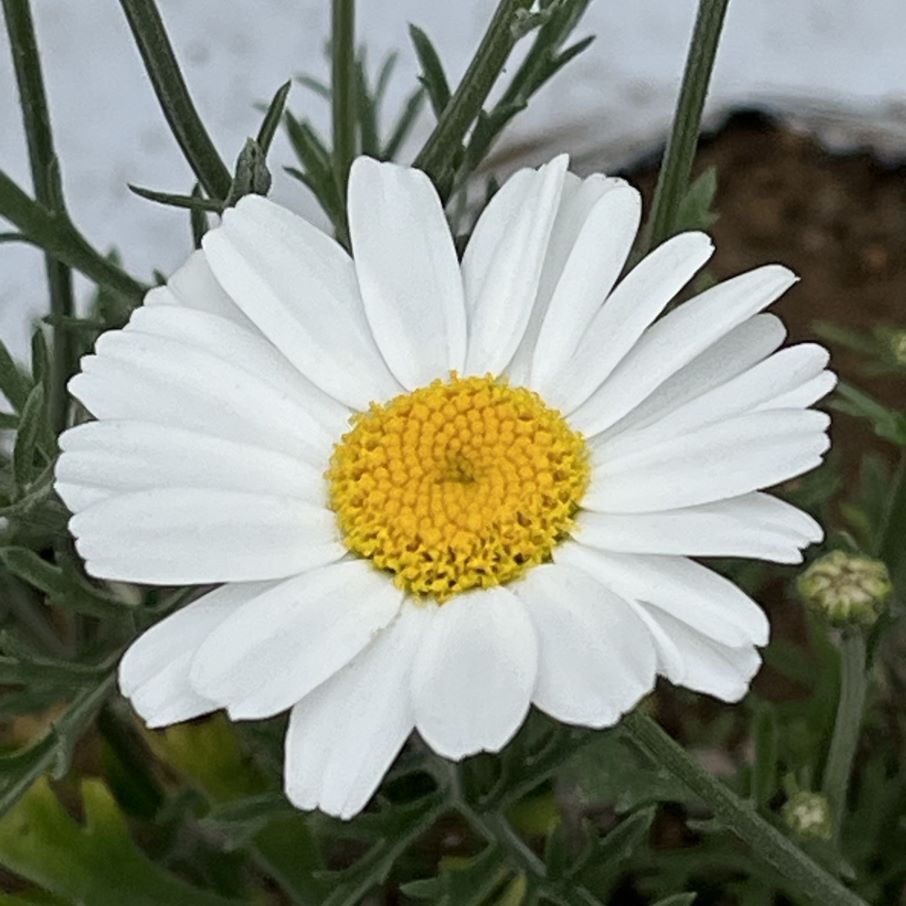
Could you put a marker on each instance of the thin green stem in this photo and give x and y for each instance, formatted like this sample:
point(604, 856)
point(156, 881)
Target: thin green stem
point(739, 817)
point(39, 138)
point(891, 548)
point(170, 88)
point(445, 142)
point(847, 724)
point(54, 232)
point(494, 826)
point(343, 90)
point(673, 179)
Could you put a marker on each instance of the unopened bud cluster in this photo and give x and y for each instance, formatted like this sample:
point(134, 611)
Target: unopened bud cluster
point(808, 815)
point(846, 589)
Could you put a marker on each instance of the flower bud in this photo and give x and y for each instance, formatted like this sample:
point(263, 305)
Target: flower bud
point(846, 589)
point(808, 815)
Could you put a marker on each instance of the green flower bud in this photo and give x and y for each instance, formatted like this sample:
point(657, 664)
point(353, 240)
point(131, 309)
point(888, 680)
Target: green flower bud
point(808, 815)
point(846, 589)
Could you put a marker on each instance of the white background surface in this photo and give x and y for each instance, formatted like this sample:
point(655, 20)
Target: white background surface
point(838, 65)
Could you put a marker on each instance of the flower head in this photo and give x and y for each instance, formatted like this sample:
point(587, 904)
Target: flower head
point(434, 493)
point(846, 589)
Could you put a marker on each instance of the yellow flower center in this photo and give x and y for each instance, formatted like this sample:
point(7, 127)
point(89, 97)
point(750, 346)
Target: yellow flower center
point(464, 483)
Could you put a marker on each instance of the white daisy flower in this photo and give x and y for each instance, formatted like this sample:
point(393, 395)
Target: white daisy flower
point(435, 493)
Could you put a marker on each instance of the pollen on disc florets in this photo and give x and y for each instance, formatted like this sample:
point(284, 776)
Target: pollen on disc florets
point(461, 484)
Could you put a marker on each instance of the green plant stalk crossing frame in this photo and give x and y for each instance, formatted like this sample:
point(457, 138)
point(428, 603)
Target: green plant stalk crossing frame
point(739, 817)
point(673, 178)
point(436, 157)
point(36, 120)
point(170, 87)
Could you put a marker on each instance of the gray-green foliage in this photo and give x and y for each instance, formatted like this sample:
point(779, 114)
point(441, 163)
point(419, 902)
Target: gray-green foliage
point(196, 814)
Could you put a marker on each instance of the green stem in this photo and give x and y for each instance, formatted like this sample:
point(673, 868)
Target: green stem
point(891, 546)
point(493, 825)
point(847, 724)
point(445, 142)
point(170, 88)
point(36, 120)
point(673, 178)
point(739, 817)
point(343, 91)
point(54, 232)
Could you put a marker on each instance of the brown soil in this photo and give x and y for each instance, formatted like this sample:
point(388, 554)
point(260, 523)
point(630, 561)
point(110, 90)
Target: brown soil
point(838, 221)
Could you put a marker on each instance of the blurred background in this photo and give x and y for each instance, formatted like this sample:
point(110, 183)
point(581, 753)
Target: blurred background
point(833, 71)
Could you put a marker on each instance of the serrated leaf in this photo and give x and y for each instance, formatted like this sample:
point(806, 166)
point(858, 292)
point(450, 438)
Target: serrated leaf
point(463, 882)
point(272, 117)
point(610, 772)
point(189, 202)
point(237, 821)
point(403, 826)
point(31, 426)
point(96, 863)
point(62, 585)
point(620, 843)
point(432, 74)
point(51, 753)
point(14, 383)
point(209, 756)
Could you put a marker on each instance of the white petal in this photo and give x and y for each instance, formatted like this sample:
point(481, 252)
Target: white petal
point(639, 298)
point(747, 526)
point(140, 377)
point(724, 460)
point(247, 347)
point(707, 602)
point(494, 224)
point(744, 346)
point(194, 286)
point(101, 459)
point(474, 673)
point(345, 734)
point(581, 264)
point(806, 394)
point(299, 288)
point(185, 536)
point(676, 340)
point(408, 271)
point(154, 671)
point(269, 655)
point(595, 657)
point(693, 660)
point(785, 370)
point(505, 293)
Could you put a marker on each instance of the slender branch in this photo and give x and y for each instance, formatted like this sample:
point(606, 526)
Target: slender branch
point(170, 88)
point(739, 817)
point(494, 826)
point(890, 547)
point(54, 232)
point(436, 157)
point(36, 120)
point(343, 90)
point(673, 179)
point(847, 724)
point(854, 677)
